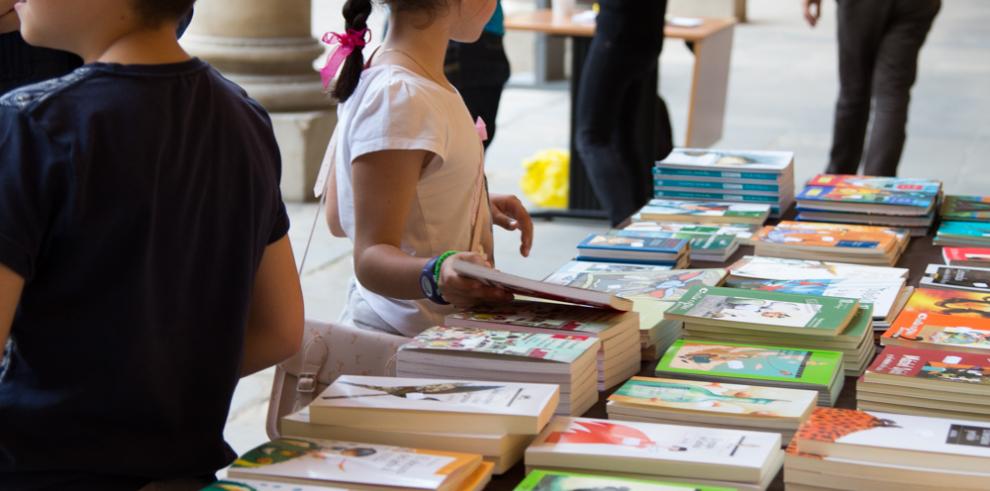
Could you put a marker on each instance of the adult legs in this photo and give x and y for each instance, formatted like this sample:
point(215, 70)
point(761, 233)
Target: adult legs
point(896, 71)
point(860, 29)
point(479, 71)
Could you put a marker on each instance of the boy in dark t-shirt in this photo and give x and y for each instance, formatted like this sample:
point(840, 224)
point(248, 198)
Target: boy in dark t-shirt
point(144, 263)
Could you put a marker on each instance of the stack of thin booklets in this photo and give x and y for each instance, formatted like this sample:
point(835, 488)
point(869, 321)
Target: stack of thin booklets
point(361, 466)
point(722, 457)
point(950, 320)
point(927, 383)
point(965, 208)
point(956, 278)
point(844, 449)
point(747, 176)
point(868, 200)
point(860, 244)
point(544, 480)
point(742, 231)
point(882, 287)
point(963, 234)
point(255, 485)
point(652, 292)
point(789, 320)
point(634, 248)
point(568, 360)
point(493, 419)
point(712, 405)
point(967, 256)
point(617, 332)
point(703, 246)
point(752, 364)
point(667, 210)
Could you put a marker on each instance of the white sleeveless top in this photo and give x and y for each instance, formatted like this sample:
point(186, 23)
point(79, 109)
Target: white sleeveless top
point(393, 108)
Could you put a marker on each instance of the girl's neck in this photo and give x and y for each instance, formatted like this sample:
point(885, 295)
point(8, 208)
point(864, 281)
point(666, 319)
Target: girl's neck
point(423, 39)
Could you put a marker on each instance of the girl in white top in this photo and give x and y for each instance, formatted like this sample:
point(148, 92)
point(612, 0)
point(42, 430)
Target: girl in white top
point(408, 185)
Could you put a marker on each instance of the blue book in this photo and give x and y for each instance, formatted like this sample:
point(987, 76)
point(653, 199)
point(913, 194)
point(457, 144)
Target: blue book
point(966, 230)
point(630, 247)
point(732, 186)
point(729, 160)
point(759, 176)
point(842, 194)
point(718, 196)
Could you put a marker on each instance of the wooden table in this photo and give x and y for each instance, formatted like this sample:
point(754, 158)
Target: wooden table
point(920, 253)
point(712, 45)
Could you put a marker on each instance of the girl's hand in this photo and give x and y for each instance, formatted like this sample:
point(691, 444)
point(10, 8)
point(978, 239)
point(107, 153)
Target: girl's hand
point(509, 213)
point(463, 292)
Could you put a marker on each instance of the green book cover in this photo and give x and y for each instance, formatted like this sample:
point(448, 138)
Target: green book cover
point(974, 208)
point(541, 480)
point(551, 347)
point(763, 310)
point(712, 360)
point(677, 183)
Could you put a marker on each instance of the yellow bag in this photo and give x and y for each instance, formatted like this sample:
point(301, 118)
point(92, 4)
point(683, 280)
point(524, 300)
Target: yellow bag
point(545, 178)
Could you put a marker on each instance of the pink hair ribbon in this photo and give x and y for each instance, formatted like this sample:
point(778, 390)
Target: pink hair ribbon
point(346, 43)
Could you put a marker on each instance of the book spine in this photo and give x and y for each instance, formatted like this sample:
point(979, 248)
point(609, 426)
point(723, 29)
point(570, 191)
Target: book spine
point(715, 185)
point(763, 176)
point(718, 197)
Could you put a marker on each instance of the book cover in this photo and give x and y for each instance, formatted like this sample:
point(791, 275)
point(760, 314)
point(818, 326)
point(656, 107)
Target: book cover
point(958, 277)
point(733, 160)
point(254, 485)
point(945, 366)
point(435, 395)
point(749, 361)
point(718, 174)
point(806, 314)
point(564, 348)
point(742, 231)
point(799, 234)
point(950, 318)
point(865, 195)
point(956, 207)
point(879, 293)
point(718, 186)
point(333, 462)
point(698, 242)
point(964, 230)
point(899, 184)
point(773, 200)
point(775, 268)
point(657, 285)
point(966, 255)
point(539, 315)
point(715, 397)
point(659, 209)
point(542, 480)
point(633, 242)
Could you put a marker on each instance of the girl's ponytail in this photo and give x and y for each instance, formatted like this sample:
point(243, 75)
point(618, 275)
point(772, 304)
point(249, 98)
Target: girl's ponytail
point(356, 13)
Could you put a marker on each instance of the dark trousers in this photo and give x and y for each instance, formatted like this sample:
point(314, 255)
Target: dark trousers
point(616, 101)
point(479, 71)
point(879, 41)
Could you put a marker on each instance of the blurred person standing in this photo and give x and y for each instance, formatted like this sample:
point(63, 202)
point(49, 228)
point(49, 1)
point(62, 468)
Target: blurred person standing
point(879, 42)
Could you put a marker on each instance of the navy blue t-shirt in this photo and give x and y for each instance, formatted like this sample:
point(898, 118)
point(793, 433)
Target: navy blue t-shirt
point(137, 202)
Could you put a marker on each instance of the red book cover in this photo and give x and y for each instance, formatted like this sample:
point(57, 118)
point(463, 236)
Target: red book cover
point(932, 364)
point(972, 254)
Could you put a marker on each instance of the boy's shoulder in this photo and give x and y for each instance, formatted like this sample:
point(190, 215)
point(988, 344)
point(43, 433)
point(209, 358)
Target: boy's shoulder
point(24, 98)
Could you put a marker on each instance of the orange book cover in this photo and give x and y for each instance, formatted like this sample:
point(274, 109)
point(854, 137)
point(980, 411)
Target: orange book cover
point(949, 318)
point(798, 234)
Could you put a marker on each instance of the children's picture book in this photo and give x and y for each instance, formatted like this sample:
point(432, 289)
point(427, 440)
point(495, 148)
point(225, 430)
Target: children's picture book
point(967, 256)
point(762, 310)
point(534, 288)
point(943, 319)
point(899, 184)
point(632, 246)
point(667, 285)
point(733, 160)
point(693, 211)
point(714, 397)
point(782, 269)
point(564, 348)
point(902, 365)
point(743, 232)
point(752, 362)
point(547, 317)
point(804, 235)
point(966, 208)
point(879, 293)
point(853, 195)
point(354, 465)
point(699, 243)
point(254, 485)
point(543, 480)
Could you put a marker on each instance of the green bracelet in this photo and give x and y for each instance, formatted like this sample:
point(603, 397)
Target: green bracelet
point(436, 266)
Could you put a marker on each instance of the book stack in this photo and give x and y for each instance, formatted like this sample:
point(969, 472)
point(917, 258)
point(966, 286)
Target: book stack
point(617, 332)
point(651, 291)
point(967, 256)
point(702, 246)
point(493, 419)
point(254, 485)
point(965, 208)
point(963, 234)
point(927, 383)
point(544, 480)
point(732, 458)
point(753, 364)
point(868, 200)
point(568, 360)
point(956, 278)
point(779, 319)
point(634, 249)
point(666, 210)
point(949, 320)
point(746, 176)
point(843, 449)
point(882, 287)
point(361, 466)
point(860, 244)
point(743, 231)
point(712, 405)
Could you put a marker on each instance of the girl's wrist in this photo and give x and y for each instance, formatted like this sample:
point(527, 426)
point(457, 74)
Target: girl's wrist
point(438, 265)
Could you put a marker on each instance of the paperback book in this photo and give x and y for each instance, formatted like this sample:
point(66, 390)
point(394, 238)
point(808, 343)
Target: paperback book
point(704, 212)
point(956, 278)
point(743, 232)
point(632, 247)
point(565, 348)
point(702, 247)
point(896, 184)
point(966, 208)
point(761, 161)
point(717, 187)
point(952, 320)
point(544, 480)
point(544, 317)
point(967, 256)
point(963, 234)
point(931, 370)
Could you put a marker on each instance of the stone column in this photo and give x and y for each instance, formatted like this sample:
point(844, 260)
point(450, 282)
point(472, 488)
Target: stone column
point(266, 47)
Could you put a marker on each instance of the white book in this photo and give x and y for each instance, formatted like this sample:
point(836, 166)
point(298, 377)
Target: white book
point(656, 449)
point(776, 268)
point(442, 405)
point(255, 485)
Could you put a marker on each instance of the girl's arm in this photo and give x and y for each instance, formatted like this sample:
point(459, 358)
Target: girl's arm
point(384, 190)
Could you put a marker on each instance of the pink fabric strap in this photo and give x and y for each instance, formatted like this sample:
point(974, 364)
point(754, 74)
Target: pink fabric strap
point(346, 43)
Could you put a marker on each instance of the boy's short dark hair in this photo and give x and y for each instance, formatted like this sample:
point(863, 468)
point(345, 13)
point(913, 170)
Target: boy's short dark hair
point(154, 12)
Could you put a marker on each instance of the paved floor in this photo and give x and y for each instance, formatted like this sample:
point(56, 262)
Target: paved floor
point(782, 91)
